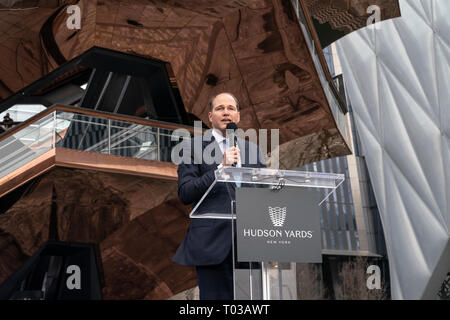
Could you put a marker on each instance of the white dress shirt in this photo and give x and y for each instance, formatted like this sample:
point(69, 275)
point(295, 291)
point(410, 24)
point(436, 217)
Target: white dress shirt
point(223, 145)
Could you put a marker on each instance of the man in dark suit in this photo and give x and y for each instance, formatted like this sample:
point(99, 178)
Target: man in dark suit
point(7, 121)
point(207, 244)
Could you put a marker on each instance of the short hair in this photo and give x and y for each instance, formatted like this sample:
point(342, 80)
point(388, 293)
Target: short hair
point(215, 96)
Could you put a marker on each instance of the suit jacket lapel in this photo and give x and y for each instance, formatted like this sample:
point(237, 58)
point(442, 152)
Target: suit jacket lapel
point(205, 143)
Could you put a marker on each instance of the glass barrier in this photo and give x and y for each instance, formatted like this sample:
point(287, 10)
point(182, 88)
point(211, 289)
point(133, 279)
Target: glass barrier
point(87, 133)
point(26, 145)
point(263, 177)
point(268, 176)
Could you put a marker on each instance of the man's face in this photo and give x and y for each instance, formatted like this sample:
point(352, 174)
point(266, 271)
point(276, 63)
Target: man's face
point(224, 111)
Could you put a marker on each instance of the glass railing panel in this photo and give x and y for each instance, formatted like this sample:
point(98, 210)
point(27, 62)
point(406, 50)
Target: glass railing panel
point(134, 141)
point(39, 136)
point(87, 133)
point(146, 144)
point(116, 137)
point(83, 132)
point(34, 131)
point(22, 112)
point(166, 144)
point(26, 145)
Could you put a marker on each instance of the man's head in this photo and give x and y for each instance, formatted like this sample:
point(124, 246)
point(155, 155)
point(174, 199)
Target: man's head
point(223, 109)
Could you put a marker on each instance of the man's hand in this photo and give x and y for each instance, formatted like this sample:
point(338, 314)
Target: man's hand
point(230, 156)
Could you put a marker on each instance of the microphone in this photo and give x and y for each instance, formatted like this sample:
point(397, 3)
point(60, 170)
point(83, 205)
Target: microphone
point(231, 128)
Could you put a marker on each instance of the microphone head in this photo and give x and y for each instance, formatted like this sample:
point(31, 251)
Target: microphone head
point(232, 126)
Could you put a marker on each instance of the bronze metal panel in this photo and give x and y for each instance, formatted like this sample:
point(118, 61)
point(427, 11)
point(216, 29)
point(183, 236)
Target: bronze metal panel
point(137, 222)
point(69, 158)
point(27, 172)
point(254, 49)
point(109, 163)
point(350, 15)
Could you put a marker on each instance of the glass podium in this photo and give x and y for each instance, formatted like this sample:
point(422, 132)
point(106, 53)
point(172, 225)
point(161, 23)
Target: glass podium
point(262, 280)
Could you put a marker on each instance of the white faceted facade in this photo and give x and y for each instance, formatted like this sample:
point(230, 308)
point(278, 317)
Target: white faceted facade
point(397, 75)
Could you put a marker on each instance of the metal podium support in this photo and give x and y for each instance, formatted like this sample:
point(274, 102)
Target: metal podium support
point(263, 280)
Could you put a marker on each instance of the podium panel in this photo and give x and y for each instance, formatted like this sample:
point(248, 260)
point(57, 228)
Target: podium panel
point(263, 178)
point(278, 225)
point(275, 222)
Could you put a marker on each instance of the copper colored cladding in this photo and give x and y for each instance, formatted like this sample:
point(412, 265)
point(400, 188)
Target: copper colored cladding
point(253, 48)
point(62, 157)
point(117, 164)
point(21, 60)
point(350, 15)
point(137, 222)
